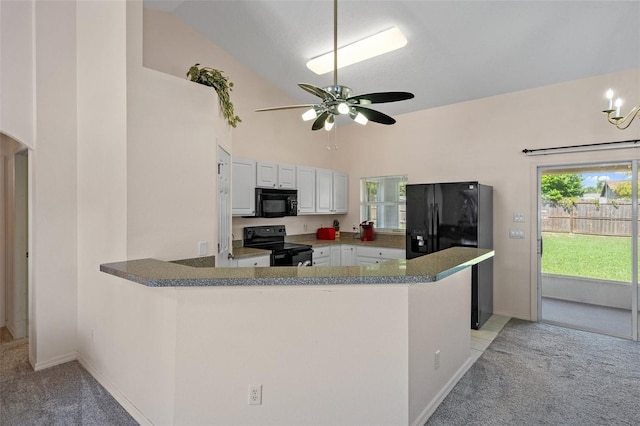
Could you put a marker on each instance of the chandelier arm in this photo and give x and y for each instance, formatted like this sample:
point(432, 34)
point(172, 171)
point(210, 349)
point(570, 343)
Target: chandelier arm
point(620, 121)
point(630, 117)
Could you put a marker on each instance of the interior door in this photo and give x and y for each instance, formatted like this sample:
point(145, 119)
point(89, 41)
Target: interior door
point(224, 208)
point(588, 238)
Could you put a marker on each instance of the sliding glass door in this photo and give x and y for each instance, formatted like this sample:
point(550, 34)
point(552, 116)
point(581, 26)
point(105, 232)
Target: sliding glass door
point(588, 236)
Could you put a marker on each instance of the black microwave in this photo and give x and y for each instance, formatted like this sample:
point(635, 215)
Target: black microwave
point(276, 202)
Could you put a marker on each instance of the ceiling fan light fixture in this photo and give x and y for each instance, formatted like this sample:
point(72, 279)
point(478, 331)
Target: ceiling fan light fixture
point(367, 48)
point(328, 125)
point(360, 119)
point(310, 114)
point(343, 108)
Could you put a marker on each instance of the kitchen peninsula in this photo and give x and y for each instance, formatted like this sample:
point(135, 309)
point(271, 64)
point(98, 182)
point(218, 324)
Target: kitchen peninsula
point(352, 345)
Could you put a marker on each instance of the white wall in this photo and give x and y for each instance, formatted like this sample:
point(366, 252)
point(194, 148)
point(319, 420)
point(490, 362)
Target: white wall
point(53, 187)
point(16, 70)
point(438, 318)
point(324, 355)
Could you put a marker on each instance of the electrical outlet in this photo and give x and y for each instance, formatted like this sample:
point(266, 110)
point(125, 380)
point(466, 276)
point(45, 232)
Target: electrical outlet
point(202, 248)
point(255, 394)
point(436, 360)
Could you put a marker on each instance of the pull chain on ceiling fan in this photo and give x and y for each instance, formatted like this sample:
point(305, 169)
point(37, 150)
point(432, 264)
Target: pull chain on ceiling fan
point(338, 100)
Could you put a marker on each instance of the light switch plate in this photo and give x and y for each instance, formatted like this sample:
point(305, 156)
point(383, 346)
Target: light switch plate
point(202, 248)
point(517, 234)
point(518, 217)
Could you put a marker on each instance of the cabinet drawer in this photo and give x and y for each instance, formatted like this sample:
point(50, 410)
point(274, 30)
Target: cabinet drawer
point(321, 252)
point(380, 252)
point(369, 251)
point(254, 261)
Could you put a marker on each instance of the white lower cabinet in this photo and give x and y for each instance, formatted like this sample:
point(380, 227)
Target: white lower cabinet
point(253, 261)
point(374, 255)
point(322, 256)
point(335, 256)
point(347, 255)
point(326, 256)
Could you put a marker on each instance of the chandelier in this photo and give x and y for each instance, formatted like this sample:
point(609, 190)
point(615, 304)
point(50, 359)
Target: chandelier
point(613, 115)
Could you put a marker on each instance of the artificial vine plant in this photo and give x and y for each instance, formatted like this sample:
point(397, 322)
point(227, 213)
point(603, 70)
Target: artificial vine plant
point(214, 78)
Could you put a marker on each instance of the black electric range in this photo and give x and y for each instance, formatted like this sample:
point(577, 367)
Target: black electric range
point(282, 253)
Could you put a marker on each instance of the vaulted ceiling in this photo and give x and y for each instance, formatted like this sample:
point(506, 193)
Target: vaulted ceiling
point(457, 50)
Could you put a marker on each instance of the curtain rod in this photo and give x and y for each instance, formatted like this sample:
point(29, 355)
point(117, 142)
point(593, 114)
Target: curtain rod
point(583, 148)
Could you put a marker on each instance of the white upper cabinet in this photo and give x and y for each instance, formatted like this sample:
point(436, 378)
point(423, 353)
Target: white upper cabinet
point(274, 175)
point(267, 174)
point(243, 187)
point(324, 191)
point(286, 176)
point(320, 191)
point(306, 178)
point(331, 191)
point(340, 189)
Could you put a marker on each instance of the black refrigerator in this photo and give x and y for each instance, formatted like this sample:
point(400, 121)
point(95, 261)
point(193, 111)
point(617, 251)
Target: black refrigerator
point(457, 214)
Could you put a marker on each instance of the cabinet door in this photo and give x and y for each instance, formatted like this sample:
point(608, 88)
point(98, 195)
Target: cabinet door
point(286, 176)
point(391, 253)
point(347, 255)
point(322, 256)
point(243, 183)
point(267, 175)
point(340, 189)
point(254, 261)
point(335, 256)
point(324, 191)
point(306, 179)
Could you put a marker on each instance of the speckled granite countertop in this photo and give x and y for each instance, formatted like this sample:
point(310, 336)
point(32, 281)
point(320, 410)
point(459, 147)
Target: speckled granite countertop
point(432, 267)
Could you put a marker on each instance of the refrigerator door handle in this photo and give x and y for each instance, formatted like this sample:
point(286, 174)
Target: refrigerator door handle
point(437, 227)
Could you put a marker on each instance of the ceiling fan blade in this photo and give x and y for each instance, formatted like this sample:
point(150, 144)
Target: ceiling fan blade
point(319, 123)
point(374, 116)
point(285, 107)
point(318, 91)
point(380, 98)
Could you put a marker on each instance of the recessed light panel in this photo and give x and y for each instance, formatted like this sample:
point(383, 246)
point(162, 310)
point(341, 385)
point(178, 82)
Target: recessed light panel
point(377, 44)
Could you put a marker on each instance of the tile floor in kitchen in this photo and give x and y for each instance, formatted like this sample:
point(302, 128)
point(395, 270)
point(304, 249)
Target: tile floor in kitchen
point(481, 339)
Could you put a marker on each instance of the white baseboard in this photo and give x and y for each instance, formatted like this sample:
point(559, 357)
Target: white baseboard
point(117, 395)
point(433, 404)
point(61, 359)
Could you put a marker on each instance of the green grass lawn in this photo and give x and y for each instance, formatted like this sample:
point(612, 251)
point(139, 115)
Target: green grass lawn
point(591, 256)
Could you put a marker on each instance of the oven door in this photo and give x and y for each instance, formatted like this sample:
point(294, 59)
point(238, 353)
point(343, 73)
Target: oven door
point(292, 258)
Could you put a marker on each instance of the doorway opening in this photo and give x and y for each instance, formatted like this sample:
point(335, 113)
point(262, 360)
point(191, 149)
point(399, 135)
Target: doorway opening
point(14, 240)
point(588, 245)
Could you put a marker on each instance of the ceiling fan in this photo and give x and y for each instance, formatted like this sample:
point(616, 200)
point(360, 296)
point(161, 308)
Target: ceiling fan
point(339, 100)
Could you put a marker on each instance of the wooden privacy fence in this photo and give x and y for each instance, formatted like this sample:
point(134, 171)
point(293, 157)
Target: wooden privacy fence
point(613, 219)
